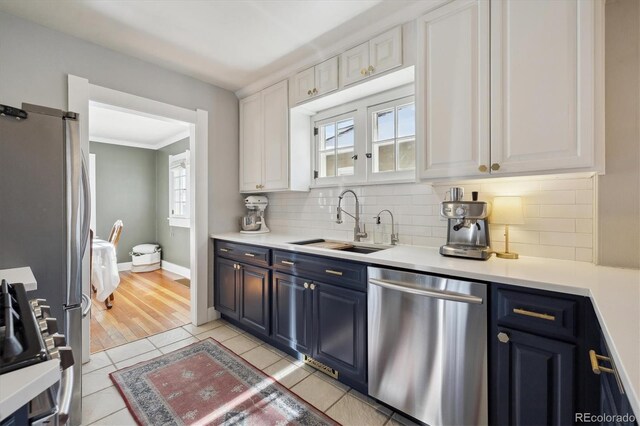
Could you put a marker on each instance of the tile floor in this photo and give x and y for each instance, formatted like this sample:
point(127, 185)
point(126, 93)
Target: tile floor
point(102, 405)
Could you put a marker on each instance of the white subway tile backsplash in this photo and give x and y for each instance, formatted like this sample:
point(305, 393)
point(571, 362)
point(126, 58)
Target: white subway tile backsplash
point(558, 213)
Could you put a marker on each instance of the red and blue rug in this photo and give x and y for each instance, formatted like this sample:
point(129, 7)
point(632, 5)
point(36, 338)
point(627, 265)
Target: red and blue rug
point(207, 384)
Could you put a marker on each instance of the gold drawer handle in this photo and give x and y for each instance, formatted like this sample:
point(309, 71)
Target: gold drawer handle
point(595, 366)
point(225, 250)
point(332, 272)
point(287, 262)
point(250, 254)
point(534, 314)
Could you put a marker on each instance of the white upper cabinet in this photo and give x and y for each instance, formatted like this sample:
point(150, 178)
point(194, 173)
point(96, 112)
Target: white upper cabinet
point(543, 65)
point(528, 104)
point(315, 81)
point(453, 89)
point(264, 140)
point(380, 54)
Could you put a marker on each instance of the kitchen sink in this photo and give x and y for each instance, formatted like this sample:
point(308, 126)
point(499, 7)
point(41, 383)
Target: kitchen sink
point(343, 246)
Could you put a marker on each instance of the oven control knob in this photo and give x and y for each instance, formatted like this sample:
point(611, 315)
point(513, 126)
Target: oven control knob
point(65, 354)
point(49, 343)
point(37, 302)
point(42, 325)
point(59, 340)
point(37, 311)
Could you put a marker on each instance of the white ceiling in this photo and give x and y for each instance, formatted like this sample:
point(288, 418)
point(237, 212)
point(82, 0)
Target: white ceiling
point(121, 127)
point(224, 42)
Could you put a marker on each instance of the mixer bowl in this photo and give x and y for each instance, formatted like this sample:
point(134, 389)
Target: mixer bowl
point(251, 223)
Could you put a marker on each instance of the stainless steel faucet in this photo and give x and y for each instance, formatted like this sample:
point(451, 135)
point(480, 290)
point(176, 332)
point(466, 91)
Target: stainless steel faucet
point(394, 237)
point(357, 234)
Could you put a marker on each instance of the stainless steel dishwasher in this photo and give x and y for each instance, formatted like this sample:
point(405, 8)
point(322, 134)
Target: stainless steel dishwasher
point(427, 339)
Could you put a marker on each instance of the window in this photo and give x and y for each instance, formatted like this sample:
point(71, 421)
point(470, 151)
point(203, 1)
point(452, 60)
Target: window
point(179, 203)
point(393, 138)
point(336, 142)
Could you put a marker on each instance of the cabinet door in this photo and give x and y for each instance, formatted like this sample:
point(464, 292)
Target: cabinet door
point(535, 380)
point(303, 85)
point(225, 294)
point(275, 166)
point(385, 51)
point(251, 142)
point(454, 90)
point(339, 329)
point(542, 84)
point(326, 76)
point(354, 64)
point(254, 298)
point(291, 312)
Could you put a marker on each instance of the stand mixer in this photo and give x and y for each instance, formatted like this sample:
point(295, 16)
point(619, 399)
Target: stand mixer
point(467, 230)
point(253, 222)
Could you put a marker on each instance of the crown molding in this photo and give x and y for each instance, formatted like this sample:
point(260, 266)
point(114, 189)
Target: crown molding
point(158, 145)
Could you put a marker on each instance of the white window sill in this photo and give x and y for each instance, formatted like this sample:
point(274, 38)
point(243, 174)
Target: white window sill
point(180, 222)
point(361, 183)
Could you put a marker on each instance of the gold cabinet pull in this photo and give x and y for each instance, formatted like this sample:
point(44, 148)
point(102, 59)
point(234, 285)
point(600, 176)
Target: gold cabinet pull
point(250, 255)
point(503, 337)
point(547, 317)
point(287, 262)
point(309, 92)
point(312, 286)
point(236, 266)
point(225, 250)
point(371, 69)
point(332, 272)
point(495, 166)
point(306, 285)
point(315, 91)
point(363, 71)
point(483, 169)
point(595, 366)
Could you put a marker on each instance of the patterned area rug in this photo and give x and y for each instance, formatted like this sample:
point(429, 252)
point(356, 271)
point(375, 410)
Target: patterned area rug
point(207, 384)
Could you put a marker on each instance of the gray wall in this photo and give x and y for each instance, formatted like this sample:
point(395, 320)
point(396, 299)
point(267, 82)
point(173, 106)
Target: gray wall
point(174, 240)
point(34, 65)
point(619, 188)
point(126, 190)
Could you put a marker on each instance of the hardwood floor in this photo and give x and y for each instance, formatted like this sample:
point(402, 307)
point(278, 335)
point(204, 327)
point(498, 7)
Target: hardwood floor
point(145, 304)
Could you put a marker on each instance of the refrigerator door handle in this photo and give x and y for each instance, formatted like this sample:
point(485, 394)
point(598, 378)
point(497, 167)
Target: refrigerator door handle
point(74, 208)
point(86, 305)
point(86, 205)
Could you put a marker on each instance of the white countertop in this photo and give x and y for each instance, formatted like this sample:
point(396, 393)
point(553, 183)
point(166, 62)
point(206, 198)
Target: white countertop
point(20, 275)
point(21, 386)
point(614, 292)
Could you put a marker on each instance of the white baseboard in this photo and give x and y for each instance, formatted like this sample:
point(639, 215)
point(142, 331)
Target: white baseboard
point(124, 266)
point(176, 269)
point(212, 314)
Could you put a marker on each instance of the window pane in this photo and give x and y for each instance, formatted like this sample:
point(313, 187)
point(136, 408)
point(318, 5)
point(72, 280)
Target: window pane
point(345, 162)
point(327, 164)
point(406, 120)
point(328, 137)
point(346, 133)
point(384, 157)
point(407, 154)
point(383, 125)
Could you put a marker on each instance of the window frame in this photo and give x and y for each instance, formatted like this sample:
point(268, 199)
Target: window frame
point(175, 161)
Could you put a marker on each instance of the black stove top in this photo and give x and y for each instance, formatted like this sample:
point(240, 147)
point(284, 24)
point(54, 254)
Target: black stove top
point(21, 342)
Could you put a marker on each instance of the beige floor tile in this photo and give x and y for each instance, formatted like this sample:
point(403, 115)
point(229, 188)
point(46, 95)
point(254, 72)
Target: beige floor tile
point(276, 351)
point(178, 345)
point(287, 373)
point(372, 402)
point(197, 329)
point(97, 380)
point(220, 334)
point(136, 359)
point(350, 410)
point(119, 418)
point(261, 357)
point(331, 380)
point(240, 344)
point(101, 404)
point(169, 337)
point(317, 392)
point(129, 350)
point(236, 329)
point(97, 361)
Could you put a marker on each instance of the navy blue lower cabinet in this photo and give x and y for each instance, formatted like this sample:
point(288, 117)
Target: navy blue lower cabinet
point(291, 306)
point(253, 283)
point(339, 328)
point(226, 288)
point(534, 379)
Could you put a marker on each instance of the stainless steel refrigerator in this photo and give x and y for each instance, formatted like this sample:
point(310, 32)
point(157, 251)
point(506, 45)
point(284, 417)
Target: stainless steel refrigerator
point(44, 215)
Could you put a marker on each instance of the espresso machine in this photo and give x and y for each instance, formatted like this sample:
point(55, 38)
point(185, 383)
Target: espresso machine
point(468, 228)
point(253, 222)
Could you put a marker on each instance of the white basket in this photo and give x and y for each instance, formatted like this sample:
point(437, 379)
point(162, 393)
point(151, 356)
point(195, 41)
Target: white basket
point(145, 262)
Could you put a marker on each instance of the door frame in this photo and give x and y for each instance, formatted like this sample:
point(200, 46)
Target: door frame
point(81, 92)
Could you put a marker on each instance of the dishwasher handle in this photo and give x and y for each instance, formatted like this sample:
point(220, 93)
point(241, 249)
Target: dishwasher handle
point(438, 294)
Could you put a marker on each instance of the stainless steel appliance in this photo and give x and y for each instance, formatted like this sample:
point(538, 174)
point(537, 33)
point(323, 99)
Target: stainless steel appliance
point(44, 214)
point(427, 340)
point(468, 228)
point(254, 222)
point(30, 336)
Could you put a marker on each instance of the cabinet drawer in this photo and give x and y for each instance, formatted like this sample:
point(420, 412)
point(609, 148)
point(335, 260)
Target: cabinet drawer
point(547, 315)
point(243, 253)
point(321, 268)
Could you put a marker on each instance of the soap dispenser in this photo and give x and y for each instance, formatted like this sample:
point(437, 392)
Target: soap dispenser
point(378, 231)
